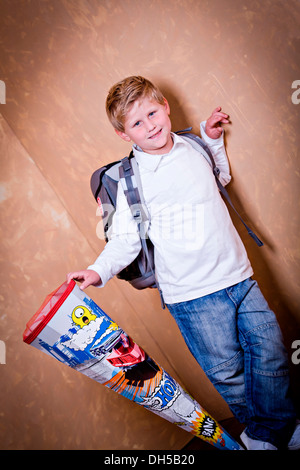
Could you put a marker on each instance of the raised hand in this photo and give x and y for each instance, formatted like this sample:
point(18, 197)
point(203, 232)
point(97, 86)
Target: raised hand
point(213, 127)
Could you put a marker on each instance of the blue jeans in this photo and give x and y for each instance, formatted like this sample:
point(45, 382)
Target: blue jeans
point(237, 341)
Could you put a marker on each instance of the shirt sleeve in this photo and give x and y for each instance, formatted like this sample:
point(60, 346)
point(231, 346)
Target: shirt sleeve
point(124, 244)
point(219, 153)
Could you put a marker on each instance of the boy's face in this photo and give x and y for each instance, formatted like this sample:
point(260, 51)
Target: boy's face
point(148, 125)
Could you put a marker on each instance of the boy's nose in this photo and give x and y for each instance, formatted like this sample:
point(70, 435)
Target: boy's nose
point(150, 126)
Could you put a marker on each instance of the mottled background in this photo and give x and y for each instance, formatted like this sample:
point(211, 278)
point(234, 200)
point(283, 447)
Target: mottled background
point(58, 59)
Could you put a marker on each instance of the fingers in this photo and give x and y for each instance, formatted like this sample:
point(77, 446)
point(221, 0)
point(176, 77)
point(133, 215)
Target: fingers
point(218, 116)
point(79, 276)
point(85, 284)
point(74, 275)
point(87, 277)
point(218, 109)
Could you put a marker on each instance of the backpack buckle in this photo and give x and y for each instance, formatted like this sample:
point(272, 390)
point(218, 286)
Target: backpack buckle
point(216, 171)
point(126, 164)
point(137, 216)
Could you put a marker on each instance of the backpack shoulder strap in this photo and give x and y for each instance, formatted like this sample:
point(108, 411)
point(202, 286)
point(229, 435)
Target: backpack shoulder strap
point(130, 181)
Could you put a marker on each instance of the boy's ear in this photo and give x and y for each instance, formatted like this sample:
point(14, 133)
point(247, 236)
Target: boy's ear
point(123, 135)
point(167, 106)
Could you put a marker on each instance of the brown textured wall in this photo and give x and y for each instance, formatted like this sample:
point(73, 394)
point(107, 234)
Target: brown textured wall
point(58, 60)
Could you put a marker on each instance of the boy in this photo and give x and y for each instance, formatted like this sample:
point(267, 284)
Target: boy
point(201, 264)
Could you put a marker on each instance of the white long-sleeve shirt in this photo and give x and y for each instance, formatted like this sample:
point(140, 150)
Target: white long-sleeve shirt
point(197, 248)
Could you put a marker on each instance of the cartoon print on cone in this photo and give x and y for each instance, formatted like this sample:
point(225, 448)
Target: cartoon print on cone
point(74, 330)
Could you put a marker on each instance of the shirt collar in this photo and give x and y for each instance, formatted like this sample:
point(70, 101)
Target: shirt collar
point(151, 162)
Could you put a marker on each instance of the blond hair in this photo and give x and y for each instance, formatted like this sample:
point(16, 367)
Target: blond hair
point(124, 93)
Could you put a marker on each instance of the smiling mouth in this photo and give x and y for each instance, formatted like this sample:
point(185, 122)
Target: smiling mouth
point(155, 135)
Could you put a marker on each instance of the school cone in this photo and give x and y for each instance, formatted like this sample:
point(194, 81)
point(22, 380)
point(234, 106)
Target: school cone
point(72, 328)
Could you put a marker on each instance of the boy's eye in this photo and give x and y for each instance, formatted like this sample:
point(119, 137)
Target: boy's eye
point(152, 113)
point(137, 124)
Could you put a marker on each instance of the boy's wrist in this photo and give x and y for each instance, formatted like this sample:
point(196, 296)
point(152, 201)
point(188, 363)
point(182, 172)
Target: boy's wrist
point(208, 139)
point(97, 269)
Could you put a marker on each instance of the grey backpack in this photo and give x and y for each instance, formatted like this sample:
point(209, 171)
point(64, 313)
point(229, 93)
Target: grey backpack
point(104, 185)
